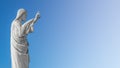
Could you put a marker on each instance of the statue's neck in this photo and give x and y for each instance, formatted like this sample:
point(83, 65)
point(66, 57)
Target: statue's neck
point(20, 20)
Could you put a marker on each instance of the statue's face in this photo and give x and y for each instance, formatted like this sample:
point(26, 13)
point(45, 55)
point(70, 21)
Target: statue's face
point(24, 17)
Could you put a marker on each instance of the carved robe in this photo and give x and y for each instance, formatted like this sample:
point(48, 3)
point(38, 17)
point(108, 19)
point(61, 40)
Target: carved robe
point(19, 44)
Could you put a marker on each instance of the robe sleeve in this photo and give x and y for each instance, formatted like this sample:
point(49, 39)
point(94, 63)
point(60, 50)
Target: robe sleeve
point(27, 27)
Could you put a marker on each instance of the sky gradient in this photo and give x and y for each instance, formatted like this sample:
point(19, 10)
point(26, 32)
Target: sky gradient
point(69, 34)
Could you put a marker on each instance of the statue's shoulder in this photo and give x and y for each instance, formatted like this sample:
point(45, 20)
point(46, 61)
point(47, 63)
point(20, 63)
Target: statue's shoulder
point(15, 22)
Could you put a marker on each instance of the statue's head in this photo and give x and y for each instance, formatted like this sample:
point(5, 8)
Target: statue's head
point(21, 14)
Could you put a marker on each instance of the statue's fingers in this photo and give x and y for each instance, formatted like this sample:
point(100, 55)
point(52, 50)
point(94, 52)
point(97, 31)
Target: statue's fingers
point(38, 12)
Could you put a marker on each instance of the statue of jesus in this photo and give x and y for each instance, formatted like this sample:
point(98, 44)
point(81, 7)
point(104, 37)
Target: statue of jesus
point(19, 43)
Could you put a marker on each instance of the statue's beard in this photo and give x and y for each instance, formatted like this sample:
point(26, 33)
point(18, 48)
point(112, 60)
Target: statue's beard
point(23, 20)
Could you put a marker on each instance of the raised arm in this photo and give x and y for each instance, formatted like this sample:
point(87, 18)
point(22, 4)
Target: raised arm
point(31, 21)
point(37, 16)
point(28, 26)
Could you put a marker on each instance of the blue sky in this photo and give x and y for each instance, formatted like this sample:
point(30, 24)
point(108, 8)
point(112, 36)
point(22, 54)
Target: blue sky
point(70, 33)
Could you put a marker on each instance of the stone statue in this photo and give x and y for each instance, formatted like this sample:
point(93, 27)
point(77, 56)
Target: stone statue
point(19, 43)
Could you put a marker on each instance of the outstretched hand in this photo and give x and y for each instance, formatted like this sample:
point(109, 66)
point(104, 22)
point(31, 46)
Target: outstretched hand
point(37, 16)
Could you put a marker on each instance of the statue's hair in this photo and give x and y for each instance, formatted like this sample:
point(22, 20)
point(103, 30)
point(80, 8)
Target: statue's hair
point(20, 13)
